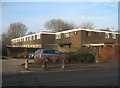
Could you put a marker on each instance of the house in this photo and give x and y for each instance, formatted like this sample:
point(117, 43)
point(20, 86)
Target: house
point(69, 38)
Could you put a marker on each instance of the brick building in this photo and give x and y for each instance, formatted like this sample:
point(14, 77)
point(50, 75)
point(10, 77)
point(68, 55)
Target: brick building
point(37, 40)
point(86, 37)
point(69, 38)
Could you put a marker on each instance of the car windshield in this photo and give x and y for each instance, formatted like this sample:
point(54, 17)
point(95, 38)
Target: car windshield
point(38, 51)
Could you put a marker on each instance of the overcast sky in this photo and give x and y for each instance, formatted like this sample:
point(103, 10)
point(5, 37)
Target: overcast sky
point(35, 14)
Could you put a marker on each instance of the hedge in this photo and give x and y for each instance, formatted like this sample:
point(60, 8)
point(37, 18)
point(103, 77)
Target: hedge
point(72, 57)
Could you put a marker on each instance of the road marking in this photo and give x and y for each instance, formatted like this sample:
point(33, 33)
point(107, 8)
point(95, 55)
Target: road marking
point(25, 71)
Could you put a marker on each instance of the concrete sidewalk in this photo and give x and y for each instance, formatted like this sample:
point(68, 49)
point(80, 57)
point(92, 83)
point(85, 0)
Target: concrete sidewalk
point(33, 67)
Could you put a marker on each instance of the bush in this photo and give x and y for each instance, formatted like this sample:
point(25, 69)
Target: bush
point(22, 55)
point(72, 57)
point(89, 58)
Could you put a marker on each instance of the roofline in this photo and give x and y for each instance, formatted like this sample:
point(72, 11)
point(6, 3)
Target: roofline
point(93, 30)
point(32, 35)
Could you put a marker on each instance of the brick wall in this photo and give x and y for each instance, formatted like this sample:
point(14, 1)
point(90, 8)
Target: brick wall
point(15, 51)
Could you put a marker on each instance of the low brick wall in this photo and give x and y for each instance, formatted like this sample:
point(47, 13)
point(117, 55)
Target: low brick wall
point(19, 51)
point(4, 50)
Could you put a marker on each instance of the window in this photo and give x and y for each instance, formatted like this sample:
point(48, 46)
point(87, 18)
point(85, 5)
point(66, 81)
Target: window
point(67, 35)
point(75, 32)
point(71, 34)
point(15, 41)
point(49, 52)
point(35, 36)
point(96, 33)
point(58, 36)
point(113, 36)
point(57, 52)
point(19, 40)
point(106, 35)
point(66, 46)
point(24, 39)
point(30, 38)
point(88, 33)
point(38, 36)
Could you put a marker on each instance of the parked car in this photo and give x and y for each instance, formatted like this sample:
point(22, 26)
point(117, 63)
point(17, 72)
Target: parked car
point(50, 55)
point(31, 55)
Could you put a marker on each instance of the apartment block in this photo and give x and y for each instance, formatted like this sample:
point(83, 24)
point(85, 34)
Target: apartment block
point(86, 37)
point(69, 38)
point(37, 40)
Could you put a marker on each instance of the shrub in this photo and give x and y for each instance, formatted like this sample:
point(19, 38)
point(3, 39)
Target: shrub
point(89, 58)
point(22, 55)
point(72, 57)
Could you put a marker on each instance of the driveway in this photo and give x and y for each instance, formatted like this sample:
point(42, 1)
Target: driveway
point(11, 65)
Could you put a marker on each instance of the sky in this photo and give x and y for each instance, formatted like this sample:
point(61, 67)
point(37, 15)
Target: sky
point(35, 14)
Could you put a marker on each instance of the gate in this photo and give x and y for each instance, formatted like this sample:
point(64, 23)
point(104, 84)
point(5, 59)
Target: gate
point(109, 54)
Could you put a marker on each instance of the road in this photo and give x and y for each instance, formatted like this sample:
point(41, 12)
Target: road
point(89, 77)
point(101, 77)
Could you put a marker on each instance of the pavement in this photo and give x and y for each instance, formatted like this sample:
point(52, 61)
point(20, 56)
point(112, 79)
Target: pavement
point(33, 67)
point(14, 65)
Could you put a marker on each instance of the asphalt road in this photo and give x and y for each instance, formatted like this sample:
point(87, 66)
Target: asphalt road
point(100, 77)
point(14, 75)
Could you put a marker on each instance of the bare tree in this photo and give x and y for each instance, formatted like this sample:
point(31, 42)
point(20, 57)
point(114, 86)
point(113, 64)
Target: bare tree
point(15, 30)
point(5, 39)
point(30, 33)
point(58, 25)
point(106, 29)
point(87, 25)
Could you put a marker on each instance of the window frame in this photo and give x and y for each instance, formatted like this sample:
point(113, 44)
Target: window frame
point(107, 35)
point(72, 34)
point(67, 35)
point(38, 36)
point(88, 33)
point(58, 36)
point(114, 36)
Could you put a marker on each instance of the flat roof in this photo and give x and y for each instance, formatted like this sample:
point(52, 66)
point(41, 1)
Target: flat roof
point(92, 30)
point(67, 31)
point(32, 35)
